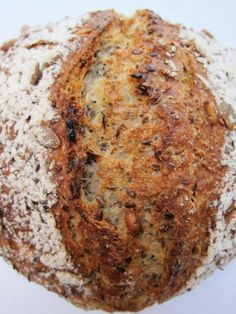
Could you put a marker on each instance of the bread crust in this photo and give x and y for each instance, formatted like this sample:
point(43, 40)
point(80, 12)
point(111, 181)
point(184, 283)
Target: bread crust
point(134, 150)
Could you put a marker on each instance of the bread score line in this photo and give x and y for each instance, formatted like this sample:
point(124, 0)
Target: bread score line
point(29, 235)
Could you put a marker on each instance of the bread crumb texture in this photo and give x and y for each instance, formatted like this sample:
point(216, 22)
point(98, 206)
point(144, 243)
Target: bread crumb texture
point(117, 154)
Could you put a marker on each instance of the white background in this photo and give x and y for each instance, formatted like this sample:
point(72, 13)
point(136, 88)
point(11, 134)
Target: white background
point(217, 294)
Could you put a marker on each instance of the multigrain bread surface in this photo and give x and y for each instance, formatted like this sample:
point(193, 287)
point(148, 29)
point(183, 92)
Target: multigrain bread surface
point(117, 152)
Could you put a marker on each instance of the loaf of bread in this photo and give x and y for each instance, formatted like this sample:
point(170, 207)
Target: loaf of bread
point(117, 158)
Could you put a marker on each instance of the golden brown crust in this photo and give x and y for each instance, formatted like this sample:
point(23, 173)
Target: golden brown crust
point(172, 167)
point(7, 45)
point(138, 163)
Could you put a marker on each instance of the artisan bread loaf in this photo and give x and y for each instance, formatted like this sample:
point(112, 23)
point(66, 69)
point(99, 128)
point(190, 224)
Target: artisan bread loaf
point(117, 158)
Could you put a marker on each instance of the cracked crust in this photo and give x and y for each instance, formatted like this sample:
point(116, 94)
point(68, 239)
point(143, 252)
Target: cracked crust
point(131, 155)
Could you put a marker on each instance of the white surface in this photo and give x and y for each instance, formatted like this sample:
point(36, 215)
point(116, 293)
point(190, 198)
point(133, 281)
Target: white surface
point(217, 294)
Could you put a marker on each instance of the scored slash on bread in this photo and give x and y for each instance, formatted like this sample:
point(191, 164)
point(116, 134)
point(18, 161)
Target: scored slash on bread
point(117, 158)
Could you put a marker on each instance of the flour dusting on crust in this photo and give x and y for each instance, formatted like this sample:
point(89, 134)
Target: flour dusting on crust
point(28, 70)
point(29, 235)
point(220, 63)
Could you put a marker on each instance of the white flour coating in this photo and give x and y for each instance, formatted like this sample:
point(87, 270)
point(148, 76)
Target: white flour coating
point(1, 55)
point(172, 71)
point(24, 104)
point(220, 63)
point(72, 280)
